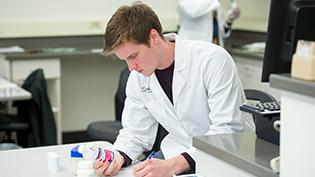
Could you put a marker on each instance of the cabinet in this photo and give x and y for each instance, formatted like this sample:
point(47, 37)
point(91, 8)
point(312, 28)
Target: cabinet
point(239, 154)
point(216, 167)
point(18, 70)
point(297, 125)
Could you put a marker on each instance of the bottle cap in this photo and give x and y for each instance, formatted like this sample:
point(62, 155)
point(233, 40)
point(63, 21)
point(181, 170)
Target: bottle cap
point(75, 152)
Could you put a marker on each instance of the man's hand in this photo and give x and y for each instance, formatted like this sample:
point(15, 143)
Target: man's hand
point(109, 168)
point(233, 13)
point(161, 168)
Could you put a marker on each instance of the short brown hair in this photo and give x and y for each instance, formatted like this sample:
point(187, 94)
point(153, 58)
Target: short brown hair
point(131, 23)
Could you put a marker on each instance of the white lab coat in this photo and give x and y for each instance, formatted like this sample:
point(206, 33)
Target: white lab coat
point(196, 20)
point(207, 93)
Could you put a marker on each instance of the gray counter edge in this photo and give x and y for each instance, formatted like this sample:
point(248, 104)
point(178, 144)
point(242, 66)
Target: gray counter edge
point(286, 82)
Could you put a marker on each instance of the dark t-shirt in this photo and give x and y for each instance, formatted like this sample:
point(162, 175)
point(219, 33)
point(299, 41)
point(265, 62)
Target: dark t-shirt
point(165, 78)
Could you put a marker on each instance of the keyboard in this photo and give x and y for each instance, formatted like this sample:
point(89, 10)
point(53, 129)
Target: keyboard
point(267, 109)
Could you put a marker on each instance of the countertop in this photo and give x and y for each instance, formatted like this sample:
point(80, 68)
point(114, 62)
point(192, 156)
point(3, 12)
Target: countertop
point(245, 53)
point(243, 150)
point(36, 47)
point(53, 53)
point(286, 82)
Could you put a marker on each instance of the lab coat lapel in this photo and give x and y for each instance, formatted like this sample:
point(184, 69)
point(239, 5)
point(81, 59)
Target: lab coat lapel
point(164, 101)
point(160, 95)
point(181, 53)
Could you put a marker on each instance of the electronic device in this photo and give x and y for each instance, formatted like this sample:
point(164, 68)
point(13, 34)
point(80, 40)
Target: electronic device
point(289, 21)
point(267, 109)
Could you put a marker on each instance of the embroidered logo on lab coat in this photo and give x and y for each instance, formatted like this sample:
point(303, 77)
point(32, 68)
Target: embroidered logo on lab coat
point(146, 90)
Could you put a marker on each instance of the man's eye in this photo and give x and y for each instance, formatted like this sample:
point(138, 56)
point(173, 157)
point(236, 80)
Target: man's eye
point(133, 56)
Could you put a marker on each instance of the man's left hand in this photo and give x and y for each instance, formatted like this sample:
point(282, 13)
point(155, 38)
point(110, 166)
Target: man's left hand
point(153, 168)
point(161, 168)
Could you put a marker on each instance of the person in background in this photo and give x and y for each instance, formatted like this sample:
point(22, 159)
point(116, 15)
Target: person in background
point(202, 20)
point(191, 88)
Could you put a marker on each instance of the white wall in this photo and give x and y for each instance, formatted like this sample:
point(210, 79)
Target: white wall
point(254, 14)
point(31, 18)
point(42, 10)
point(27, 18)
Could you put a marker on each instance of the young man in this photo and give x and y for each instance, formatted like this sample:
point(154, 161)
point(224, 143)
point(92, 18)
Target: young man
point(190, 87)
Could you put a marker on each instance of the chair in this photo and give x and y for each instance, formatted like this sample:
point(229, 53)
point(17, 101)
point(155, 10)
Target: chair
point(109, 130)
point(13, 123)
point(263, 125)
point(8, 124)
point(258, 95)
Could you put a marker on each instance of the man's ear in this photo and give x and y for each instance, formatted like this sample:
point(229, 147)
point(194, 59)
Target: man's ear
point(154, 36)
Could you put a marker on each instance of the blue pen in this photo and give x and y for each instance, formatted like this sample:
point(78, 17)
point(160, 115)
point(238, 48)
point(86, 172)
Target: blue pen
point(152, 154)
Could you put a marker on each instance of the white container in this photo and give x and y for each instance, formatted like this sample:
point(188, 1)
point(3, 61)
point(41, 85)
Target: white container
point(303, 61)
point(93, 152)
point(85, 169)
point(76, 157)
point(53, 161)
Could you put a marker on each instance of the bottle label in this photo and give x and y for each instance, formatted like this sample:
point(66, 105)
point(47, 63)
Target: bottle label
point(105, 155)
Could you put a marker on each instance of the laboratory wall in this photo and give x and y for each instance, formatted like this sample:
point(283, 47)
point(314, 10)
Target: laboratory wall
point(85, 17)
point(70, 17)
point(254, 14)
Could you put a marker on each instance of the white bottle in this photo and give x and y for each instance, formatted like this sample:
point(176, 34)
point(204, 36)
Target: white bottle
point(53, 161)
point(85, 169)
point(93, 152)
point(76, 157)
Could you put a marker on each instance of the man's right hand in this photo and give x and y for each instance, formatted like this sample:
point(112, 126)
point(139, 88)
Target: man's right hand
point(109, 168)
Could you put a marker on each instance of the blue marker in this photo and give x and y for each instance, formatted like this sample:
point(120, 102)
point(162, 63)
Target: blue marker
point(151, 155)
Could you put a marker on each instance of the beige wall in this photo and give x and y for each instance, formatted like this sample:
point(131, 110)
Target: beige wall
point(82, 17)
point(254, 14)
point(34, 18)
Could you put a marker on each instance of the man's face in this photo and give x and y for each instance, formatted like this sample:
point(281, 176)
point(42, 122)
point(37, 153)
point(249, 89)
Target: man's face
point(139, 57)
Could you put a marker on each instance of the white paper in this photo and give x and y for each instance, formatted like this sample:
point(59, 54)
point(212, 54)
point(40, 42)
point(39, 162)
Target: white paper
point(125, 172)
point(12, 49)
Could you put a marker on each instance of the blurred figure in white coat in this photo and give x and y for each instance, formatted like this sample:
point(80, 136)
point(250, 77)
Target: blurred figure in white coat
point(202, 20)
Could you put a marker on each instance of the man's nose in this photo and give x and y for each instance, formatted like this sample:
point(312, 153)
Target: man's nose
point(131, 65)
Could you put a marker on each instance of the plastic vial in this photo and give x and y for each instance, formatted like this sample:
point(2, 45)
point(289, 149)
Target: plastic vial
point(76, 156)
point(53, 161)
point(85, 169)
point(93, 152)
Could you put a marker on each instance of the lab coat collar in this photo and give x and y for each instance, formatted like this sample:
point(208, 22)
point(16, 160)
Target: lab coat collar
point(180, 51)
point(181, 54)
